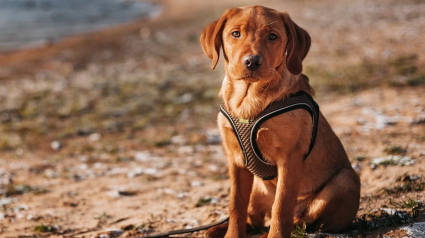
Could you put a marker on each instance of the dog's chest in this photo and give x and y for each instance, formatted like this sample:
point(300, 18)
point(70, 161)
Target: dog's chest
point(250, 131)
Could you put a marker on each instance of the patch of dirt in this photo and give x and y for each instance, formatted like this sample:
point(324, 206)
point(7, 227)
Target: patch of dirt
point(397, 233)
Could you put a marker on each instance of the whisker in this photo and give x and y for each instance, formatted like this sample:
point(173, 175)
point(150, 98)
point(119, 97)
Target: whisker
point(223, 76)
point(265, 90)
point(275, 72)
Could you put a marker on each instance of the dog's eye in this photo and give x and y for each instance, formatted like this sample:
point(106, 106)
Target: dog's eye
point(236, 34)
point(272, 36)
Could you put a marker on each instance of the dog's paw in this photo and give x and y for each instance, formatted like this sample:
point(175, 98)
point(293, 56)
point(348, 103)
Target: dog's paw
point(264, 236)
point(216, 231)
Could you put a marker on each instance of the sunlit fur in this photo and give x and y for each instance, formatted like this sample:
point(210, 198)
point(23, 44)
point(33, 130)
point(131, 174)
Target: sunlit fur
point(246, 99)
point(323, 191)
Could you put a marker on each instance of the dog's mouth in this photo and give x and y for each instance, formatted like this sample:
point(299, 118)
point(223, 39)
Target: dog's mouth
point(254, 77)
point(251, 78)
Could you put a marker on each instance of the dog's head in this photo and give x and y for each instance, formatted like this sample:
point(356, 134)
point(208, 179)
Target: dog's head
point(257, 42)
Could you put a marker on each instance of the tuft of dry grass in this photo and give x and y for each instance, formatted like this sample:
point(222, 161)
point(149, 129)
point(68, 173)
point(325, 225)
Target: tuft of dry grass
point(203, 201)
point(45, 228)
point(407, 183)
point(385, 218)
point(395, 150)
point(19, 189)
point(299, 232)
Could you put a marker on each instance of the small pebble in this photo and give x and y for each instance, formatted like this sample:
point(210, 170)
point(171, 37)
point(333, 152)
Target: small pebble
point(214, 200)
point(169, 191)
point(213, 137)
point(186, 150)
point(179, 140)
point(84, 158)
point(112, 233)
point(19, 152)
point(213, 168)
point(142, 156)
point(356, 167)
point(196, 184)
point(114, 193)
point(94, 137)
point(183, 195)
point(151, 171)
point(56, 145)
point(135, 172)
point(29, 217)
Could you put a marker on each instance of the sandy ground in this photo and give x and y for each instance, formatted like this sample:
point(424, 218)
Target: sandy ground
point(114, 132)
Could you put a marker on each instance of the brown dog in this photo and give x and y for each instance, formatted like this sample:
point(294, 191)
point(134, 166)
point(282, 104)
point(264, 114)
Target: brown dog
point(263, 52)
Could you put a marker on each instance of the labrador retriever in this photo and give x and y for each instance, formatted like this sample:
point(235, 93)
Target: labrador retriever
point(263, 50)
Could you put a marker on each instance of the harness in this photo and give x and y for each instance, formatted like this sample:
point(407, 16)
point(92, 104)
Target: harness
point(246, 131)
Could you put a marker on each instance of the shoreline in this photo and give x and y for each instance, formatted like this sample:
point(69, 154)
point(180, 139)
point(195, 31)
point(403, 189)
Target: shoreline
point(26, 63)
point(169, 11)
point(30, 24)
point(27, 54)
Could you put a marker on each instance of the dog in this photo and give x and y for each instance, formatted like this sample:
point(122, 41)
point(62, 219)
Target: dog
point(263, 50)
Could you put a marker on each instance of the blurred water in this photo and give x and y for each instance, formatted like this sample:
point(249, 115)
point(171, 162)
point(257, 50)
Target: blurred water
point(25, 23)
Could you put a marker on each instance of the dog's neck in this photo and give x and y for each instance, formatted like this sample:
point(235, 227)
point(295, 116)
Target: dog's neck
point(246, 99)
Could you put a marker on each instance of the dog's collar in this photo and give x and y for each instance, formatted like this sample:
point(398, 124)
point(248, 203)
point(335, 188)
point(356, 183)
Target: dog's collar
point(246, 131)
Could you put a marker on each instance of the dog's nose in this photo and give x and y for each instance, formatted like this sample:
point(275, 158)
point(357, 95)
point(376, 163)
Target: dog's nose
point(252, 62)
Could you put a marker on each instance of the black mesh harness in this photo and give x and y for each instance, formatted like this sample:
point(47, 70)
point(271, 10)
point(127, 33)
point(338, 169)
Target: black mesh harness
point(246, 131)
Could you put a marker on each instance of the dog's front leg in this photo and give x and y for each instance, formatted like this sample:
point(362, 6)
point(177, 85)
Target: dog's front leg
point(288, 181)
point(240, 189)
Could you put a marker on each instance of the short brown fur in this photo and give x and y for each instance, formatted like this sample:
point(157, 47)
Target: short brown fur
point(323, 191)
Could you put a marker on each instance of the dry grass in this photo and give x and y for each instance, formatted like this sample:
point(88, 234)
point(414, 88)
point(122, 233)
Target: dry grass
point(400, 71)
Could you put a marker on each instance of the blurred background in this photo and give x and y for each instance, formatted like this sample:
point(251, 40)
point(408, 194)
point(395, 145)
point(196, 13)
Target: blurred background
point(108, 111)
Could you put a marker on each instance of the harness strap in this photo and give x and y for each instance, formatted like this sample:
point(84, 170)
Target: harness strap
point(246, 131)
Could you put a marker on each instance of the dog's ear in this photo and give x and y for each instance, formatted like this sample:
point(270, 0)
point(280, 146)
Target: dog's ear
point(211, 38)
point(298, 45)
